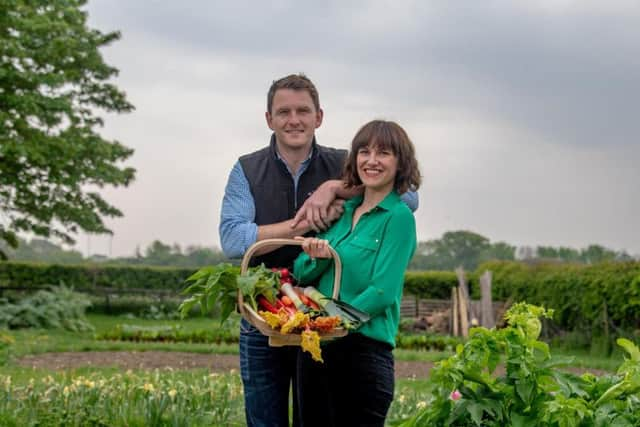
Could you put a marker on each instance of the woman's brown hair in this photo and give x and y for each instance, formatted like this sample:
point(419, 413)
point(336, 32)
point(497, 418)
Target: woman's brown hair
point(387, 135)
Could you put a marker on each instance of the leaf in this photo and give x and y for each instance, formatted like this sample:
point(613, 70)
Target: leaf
point(247, 284)
point(525, 389)
point(631, 348)
point(476, 410)
point(556, 361)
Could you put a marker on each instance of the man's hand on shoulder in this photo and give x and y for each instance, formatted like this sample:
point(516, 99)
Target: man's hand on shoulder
point(316, 208)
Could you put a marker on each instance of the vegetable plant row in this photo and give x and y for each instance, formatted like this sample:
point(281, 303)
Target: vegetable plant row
point(230, 335)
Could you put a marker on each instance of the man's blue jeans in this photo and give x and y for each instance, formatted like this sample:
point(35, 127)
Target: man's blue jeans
point(267, 376)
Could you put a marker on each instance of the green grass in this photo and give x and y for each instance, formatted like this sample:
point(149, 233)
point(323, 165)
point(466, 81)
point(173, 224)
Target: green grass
point(36, 341)
point(583, 359)
point(44, 341)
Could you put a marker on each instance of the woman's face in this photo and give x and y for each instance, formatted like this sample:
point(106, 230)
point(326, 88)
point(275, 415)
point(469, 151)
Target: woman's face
point(377, 167)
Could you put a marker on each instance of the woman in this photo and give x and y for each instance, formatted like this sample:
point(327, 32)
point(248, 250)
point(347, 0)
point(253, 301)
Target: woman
point(375, 238)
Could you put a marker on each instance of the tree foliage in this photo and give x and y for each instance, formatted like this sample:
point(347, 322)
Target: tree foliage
point(459, 249)
point(53, 81)
point(156, 254)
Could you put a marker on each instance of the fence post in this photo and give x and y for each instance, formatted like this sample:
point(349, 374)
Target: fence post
point(486, 302)
point(454, 312)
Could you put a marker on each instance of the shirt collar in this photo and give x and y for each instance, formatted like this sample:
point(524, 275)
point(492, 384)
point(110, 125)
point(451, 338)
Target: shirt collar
point(387, 203)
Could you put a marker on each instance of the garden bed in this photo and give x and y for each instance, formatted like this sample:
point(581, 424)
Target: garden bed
point(183, 360)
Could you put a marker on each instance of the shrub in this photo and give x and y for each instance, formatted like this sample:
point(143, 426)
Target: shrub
point(58, 308)
point(583, 297)
point(468, 391)
point(89, 276)
point(430, 284)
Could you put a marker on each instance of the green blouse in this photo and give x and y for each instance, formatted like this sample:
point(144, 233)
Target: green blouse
point(374, 255)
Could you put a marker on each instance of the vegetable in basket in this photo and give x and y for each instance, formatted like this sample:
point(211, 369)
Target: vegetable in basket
point(218, 286)
point(352, 318)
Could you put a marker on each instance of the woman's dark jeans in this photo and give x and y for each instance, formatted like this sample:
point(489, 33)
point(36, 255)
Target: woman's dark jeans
point(354, 386)
point(267, 374)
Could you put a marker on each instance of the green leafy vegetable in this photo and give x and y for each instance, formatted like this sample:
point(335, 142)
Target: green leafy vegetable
point(217, 286)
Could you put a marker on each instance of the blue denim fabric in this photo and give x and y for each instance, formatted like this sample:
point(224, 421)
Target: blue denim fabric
point(354, 386)
point(267, 375)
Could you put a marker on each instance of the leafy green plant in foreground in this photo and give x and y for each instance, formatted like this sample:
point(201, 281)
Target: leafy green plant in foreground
point(469, 390)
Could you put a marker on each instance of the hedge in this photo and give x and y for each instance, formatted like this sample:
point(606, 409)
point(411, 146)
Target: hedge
point(17, 274)
point(581, 295)
point(430, 284)
point(427, 284)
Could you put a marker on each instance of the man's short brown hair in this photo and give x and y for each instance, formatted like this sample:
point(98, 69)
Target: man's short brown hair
point(387, 135)
point(294, 82)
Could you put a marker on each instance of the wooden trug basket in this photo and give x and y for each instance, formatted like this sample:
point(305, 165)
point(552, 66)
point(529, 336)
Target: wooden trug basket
point(276, 338)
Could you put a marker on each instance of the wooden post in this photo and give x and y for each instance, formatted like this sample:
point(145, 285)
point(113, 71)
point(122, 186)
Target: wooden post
point(454, 312)
point(487, 316)
point(463, 294)
point(464, 313)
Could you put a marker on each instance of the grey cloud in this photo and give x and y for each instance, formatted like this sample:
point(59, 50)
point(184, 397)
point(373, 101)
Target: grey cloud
point(572, 75)
point(562, 74)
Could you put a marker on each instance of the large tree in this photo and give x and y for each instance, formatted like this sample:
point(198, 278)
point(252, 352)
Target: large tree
point(53, 84)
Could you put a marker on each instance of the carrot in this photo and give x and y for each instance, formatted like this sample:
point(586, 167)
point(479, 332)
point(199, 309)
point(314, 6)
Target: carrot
point(286, 301)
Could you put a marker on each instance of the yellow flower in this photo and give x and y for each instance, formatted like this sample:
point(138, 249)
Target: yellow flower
point(310, 342)
point(66, 390)
point(401, 398)
point(148, 387)
point(421, 405)
point(6, 339)
point(298, 320)
point(172, 393)
point(274, 320)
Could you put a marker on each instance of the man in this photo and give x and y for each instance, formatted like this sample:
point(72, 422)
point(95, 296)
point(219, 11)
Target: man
point(276, 192)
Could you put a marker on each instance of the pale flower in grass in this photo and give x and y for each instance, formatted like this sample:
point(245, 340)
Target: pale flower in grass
point(401, 398)
point(421, 405)
point(455, 395)
point(172, 393)
point(66, 390)
point(148, 387)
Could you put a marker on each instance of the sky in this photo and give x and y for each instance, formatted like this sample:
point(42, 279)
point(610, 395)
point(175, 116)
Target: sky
point(524, 114)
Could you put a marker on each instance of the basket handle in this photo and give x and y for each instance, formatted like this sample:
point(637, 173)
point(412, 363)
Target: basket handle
point(244, 265)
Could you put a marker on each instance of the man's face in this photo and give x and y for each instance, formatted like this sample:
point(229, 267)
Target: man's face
point(293, 118)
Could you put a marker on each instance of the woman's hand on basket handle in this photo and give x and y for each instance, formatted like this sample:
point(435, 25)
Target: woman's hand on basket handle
point(314, 247)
